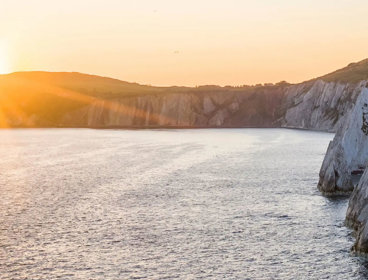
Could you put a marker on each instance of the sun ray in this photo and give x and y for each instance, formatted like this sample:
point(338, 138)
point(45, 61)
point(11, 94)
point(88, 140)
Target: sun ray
point(118, 107)
point(17, 116)
point(13, 92)
point(3, 118)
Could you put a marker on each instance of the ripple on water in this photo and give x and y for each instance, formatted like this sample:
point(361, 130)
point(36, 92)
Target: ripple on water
point(225, 204)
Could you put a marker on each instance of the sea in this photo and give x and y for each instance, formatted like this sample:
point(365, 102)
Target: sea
point(170, 204)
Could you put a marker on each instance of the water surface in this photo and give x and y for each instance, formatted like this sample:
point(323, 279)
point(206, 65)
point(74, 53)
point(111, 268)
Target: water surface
point(169, 204)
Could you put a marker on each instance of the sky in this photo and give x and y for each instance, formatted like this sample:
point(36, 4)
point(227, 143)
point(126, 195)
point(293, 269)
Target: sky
point(191, 42)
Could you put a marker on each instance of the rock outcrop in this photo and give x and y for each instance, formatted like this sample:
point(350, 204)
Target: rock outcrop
point(354, 137)
point(357, 214)
point(347, 154)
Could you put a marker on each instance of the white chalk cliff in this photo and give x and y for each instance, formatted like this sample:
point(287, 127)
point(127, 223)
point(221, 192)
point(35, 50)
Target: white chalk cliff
point(347, 154)
point(357, 214)
point(316, 105)
point(353, 138)
point(319, 105)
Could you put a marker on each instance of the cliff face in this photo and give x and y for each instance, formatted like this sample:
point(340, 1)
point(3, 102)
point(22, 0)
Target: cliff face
point(357, 214)
point(77, 100)
point(318, 105)
point(347, 154)
point(206, 109)
point(41, 99)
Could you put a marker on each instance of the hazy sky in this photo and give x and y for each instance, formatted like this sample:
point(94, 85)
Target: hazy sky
point(191, 42)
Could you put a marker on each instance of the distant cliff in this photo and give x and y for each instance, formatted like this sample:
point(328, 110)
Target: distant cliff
point(42, 99)
point(318, 105)
point(45, 99)
point(256, 107)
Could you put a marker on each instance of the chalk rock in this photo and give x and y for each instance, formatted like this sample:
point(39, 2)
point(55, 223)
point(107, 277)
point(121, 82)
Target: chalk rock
point(347, 154)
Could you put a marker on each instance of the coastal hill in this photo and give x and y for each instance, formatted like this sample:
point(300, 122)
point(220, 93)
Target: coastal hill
point(353, 73)
point(69, 99)
point(59, 99)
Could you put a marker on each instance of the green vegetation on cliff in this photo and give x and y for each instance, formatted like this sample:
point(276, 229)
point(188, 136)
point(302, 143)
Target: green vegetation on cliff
point(353, 73)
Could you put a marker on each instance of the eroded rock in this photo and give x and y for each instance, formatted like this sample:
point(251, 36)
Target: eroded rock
point(348, 152)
